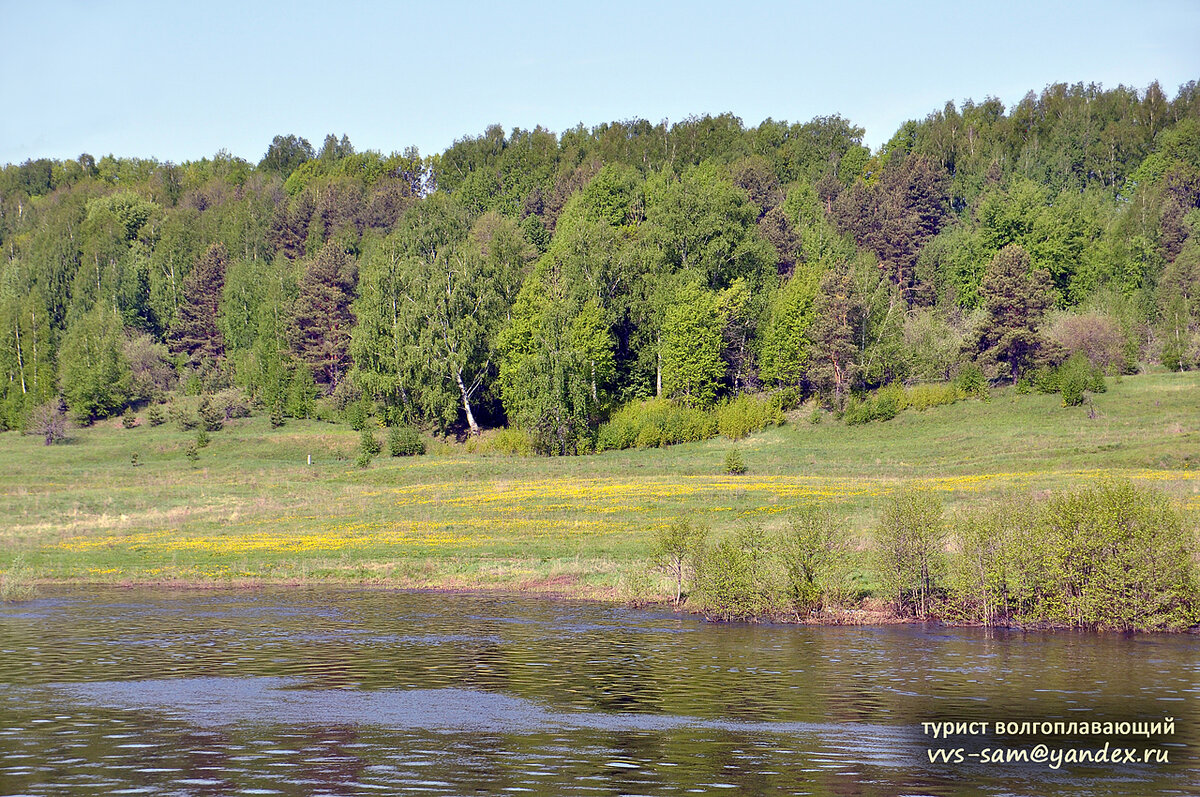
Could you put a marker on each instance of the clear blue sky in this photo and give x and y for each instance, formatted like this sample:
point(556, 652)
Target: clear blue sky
point(179, 81)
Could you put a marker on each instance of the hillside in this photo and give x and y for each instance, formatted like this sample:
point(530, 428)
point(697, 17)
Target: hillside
point(252, 509)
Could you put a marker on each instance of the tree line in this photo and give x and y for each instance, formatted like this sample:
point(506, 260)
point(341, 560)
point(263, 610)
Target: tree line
point(544, 280)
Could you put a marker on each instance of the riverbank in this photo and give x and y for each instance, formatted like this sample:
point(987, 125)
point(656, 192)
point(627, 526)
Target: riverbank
point(252, 510)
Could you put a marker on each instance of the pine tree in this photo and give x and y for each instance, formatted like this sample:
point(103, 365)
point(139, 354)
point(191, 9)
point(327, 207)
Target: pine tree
point(1014, 300)
point(321, 322)
point(195, 331)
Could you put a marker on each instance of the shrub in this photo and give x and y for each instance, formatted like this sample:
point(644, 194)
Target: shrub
point(654, 423)
point(888, 401)
point(1072, 378)
point(1095, 336)
point(362, 460)
point(1113, 556)
point(736, 578)
point(156, 416)
point(511, 441)
point(978, 577)
point(369, 444)
point(923, 397)
point(786, 399)
point(49, 421)
point(676, 547)
point(858, 411)
point(192, 452)
point(212, 416)
point(128, 419)
point(405, 441)
point(909, 542)
point(202, 438)
point(232, 404)
point(358, 415)
point(16, 583)
point(812, 549)
point(740, 417)
point(734, 464)
point(277, 415)
point(970, 381)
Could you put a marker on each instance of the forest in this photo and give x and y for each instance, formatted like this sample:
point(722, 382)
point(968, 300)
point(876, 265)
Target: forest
point(567, 285)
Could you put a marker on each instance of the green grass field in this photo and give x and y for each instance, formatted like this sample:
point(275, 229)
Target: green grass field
point(252, 509)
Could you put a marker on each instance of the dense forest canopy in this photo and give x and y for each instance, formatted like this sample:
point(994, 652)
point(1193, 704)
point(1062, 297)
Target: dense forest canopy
point(545, 280)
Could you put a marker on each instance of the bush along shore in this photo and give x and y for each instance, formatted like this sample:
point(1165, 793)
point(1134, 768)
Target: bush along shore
point(1112, 556)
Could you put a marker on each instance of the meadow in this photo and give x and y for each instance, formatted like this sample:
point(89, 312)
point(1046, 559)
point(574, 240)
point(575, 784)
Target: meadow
point(252, 510)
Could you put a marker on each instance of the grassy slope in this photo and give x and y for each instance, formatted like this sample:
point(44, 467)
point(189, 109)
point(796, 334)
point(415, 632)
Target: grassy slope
point(252, 508)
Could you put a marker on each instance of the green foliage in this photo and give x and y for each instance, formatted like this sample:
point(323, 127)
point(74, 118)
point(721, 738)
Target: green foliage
point(156, 415)
point(979, 576)
point(405, 441)
point(809, 263)
point(212, 416)
point(1015, 296)
point(358, 415)
point(691, 347)
point(676, 547)
point(93, 371)
point(128, 419)
point(363, 459)
point(734, 464)
point(909, 549)
point(923, 397)
point(739, 417)
point(319, 332)
point(654, 423)
point(970, 381)
point(16, 582)
point(194, 331)
point(508, 441)
point(192, 452)
point(704, 228)
point(737, 578)
point(1072, 378)
point(202, 438)
point(813, 549)
point(369, 443)
point(887, 402)
point(1110, 556)
point(553, 353)
point(276, 417)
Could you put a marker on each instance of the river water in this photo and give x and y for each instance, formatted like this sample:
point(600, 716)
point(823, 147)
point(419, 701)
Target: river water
point(331, 691)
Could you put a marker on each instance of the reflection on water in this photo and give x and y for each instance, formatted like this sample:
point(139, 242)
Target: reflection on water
point(351, 692)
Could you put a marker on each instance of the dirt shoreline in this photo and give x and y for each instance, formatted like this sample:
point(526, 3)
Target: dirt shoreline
point(551, 590)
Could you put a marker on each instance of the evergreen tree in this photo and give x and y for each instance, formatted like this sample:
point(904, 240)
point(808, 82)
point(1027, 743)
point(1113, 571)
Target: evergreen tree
point(1014, 298)
point(195, 331)
point(322, 320)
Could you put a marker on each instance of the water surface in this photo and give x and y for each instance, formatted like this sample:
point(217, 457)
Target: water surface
point(333, 691)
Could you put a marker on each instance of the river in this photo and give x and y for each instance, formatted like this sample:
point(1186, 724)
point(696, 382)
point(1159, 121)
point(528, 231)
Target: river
point(342, 691)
